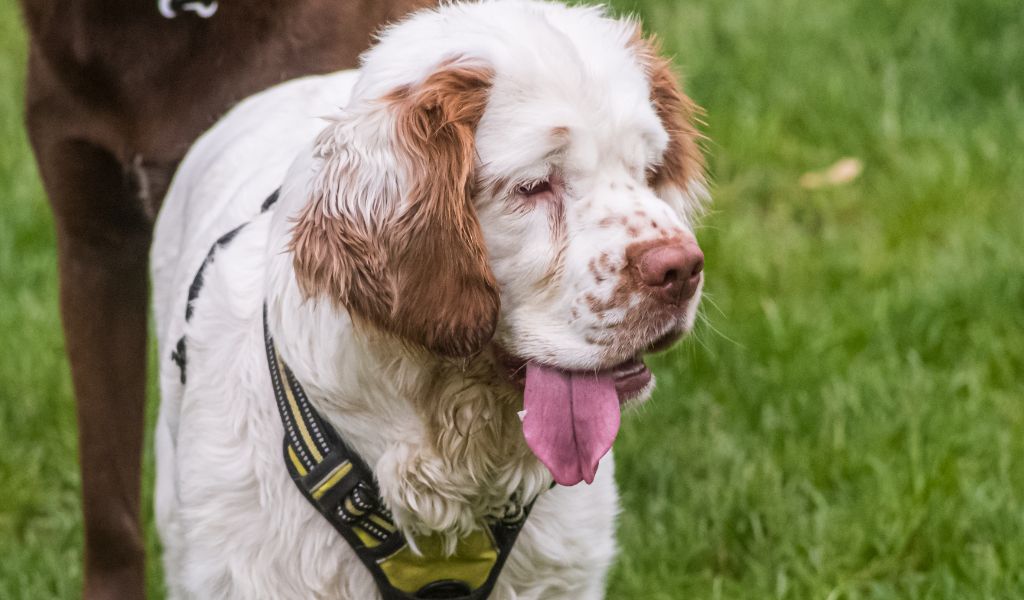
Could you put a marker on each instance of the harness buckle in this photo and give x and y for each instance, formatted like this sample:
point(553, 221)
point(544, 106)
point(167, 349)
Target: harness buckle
point(443, 589)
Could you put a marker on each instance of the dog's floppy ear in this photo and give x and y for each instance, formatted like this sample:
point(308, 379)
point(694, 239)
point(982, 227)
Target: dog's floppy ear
point(680, 176)
point(390, 232)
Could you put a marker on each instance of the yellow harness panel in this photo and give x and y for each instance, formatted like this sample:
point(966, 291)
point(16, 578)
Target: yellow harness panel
point(472, 562)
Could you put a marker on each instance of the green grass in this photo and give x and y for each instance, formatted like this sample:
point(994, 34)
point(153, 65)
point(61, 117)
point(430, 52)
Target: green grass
point(848, 423)
point(40, 529)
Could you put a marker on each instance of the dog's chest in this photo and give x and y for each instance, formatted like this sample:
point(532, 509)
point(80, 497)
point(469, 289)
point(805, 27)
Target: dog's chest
point(277, 544)
point(234, 491)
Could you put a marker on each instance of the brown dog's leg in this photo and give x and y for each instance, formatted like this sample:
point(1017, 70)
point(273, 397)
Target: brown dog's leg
point(103, 243)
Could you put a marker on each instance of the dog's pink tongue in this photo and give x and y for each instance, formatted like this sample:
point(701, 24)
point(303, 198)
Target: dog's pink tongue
point(571, 420)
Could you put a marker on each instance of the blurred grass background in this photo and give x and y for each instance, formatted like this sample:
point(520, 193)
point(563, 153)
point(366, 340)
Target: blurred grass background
point(848, 421)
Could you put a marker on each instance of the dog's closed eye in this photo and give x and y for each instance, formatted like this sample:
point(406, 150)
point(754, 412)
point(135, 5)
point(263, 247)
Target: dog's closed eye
point(535, 189)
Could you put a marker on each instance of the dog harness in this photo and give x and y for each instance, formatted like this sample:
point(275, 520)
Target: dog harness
point(341, 487)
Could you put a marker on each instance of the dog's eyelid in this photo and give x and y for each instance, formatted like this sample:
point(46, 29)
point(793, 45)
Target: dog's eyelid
point(651, 171)
point(534, 188)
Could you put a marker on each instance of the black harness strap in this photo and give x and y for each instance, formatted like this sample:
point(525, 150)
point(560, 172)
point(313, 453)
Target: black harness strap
point(179, 355)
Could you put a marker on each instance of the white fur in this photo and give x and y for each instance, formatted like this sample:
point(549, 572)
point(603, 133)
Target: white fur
point(232, 523)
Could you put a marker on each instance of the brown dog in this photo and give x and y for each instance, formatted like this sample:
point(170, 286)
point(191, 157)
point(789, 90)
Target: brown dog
point(117, 92)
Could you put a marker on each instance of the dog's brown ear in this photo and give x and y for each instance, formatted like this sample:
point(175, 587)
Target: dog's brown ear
point(391, 232)
point(681, 171)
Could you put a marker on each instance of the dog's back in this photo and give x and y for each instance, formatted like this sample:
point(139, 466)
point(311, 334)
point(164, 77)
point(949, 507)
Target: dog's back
point(222, 184)
point(226, 177)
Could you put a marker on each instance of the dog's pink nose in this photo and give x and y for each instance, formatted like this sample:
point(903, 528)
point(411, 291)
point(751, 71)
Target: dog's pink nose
point(672, 270)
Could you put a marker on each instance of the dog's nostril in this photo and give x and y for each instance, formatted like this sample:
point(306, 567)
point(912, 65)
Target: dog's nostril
point(698, 267)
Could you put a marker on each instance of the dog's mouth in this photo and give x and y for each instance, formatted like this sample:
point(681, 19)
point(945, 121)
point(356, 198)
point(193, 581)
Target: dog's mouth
point(631, 376)
point(571, 417)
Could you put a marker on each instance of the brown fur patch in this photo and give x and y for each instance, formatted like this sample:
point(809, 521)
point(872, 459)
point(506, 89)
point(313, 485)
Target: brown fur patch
point(683, 161)
point(448, 297)
point(613, 221)
point(341, 259)
point(420, 273)
point(599, 276)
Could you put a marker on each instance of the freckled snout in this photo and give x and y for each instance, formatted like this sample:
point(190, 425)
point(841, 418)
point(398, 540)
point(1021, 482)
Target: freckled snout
point(670, 270)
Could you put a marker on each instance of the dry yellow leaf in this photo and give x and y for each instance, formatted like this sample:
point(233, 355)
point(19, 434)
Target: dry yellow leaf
point(842, 172)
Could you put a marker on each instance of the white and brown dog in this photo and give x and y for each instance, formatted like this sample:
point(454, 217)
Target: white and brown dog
point(464, 268)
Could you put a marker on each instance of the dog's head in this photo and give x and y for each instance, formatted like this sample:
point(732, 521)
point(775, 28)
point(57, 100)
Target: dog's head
point(515, 176)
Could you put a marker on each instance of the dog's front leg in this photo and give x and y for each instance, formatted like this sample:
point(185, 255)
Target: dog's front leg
point(103, 242)
point(104, 299)
point(423, 492)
